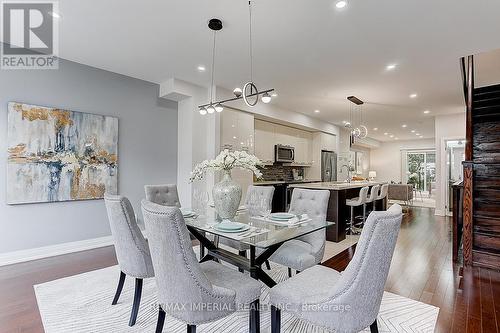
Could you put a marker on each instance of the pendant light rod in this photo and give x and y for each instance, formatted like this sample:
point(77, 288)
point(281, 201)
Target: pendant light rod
point(237, 98)
point(250, 39)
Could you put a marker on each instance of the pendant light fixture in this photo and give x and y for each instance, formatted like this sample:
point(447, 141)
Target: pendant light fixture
point(355, 124)
point(250, 94)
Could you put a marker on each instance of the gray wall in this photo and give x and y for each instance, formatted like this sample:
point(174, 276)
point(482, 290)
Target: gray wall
point(147, 150)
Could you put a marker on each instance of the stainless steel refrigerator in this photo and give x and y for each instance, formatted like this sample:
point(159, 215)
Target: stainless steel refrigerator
point(328, 166)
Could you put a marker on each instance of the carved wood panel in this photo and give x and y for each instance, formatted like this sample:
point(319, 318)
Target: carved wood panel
point(467, 213)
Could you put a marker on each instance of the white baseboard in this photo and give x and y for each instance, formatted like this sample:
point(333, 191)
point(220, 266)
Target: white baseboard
point(439, 212)
point(15, 257)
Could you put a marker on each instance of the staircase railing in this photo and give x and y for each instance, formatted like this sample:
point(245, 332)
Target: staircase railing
point(467, 68)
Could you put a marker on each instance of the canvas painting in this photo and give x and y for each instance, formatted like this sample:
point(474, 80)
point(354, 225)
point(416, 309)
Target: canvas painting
point(60, 155)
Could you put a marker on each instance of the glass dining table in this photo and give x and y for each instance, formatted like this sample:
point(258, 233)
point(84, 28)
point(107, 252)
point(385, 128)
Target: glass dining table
point(262, 237)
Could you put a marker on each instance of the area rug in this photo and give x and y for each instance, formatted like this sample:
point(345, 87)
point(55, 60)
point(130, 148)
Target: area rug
point(82, 303)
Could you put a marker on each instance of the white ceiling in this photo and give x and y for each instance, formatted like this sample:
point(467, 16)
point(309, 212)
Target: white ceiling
point(313, 54)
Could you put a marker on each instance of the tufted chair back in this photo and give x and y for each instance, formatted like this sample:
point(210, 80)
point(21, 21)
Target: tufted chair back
point(383, 191)
point(180, 281)
point(131, 248)
point(165, 195)
point(373, 193)
point(361, 285)
point(315, 204)
point(255, 194)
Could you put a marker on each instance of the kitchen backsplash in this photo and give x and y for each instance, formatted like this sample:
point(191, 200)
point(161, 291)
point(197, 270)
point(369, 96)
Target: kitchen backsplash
point(280, 172)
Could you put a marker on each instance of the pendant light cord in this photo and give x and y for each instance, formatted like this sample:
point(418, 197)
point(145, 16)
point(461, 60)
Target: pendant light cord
point(213, 69)
point(250, 31)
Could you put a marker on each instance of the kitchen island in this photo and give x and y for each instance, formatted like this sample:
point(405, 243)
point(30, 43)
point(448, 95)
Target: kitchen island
point(338, 211)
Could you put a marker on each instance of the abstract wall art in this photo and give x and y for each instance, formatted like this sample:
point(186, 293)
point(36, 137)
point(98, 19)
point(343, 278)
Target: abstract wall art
point(59, 155)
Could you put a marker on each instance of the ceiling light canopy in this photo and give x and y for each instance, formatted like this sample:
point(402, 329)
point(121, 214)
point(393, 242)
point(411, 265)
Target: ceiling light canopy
point(341, 4)
point(249, 93)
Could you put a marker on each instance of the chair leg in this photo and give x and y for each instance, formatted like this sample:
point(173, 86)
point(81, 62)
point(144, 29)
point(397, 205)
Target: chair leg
point(137, 302)
point(161, 321)
point(254, 317)
point(289, 272)
point(374, 327)
point(191, 328)
point(275, 320)
point(119, 288)
point(297, 271)
point(243, 254)
point(268, 265)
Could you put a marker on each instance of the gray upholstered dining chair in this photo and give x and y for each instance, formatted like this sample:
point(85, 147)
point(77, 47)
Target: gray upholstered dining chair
point(191, 292)
point(131, 248)
point(165, 195)
point(347, 301)
point(255, 197)
point(308, 250)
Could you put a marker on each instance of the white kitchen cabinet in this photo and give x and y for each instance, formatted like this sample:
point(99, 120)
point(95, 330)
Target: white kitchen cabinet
point(265, 140)
point(237, 130)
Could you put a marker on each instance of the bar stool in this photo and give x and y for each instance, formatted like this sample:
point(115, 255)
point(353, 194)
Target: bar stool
point(373, 196)
point(356, 202)
point(383, 193)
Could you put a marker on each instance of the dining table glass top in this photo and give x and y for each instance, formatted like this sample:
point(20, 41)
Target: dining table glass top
point(261, 232)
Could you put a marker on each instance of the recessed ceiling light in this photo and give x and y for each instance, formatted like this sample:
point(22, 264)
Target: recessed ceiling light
point(421, 136)
point(418, 134)
point(234, 137)
point(427, 111)
point(386, 133)
point(317, 111)
point(341, 4)
point(375, 128)
point(201, 68)
point(344, 122)
point(55, 15)
point(396, 138)
point(390, 67)
point(274, 94)
point(413, 95)
point(391, 136)
point(413, 131)
point(404, 125)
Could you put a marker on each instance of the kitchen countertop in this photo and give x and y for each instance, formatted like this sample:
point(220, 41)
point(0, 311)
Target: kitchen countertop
point(337, 185)
point(277, 182)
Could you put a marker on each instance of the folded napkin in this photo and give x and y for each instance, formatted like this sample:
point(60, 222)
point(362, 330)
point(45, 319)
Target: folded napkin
point(298, 218)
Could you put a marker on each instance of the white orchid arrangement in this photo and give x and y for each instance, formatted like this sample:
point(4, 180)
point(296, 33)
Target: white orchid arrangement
point(226, 161)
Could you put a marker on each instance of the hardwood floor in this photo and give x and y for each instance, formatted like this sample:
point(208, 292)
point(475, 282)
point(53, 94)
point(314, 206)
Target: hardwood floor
point(421, 269)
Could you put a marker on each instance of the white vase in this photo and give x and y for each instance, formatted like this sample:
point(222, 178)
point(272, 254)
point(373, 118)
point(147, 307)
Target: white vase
point(227, 196)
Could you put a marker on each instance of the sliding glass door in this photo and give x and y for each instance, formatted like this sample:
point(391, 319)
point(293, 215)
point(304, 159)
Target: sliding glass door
point(420, 170)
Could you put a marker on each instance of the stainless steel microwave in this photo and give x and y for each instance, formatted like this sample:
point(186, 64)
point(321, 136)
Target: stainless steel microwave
point(284, 154)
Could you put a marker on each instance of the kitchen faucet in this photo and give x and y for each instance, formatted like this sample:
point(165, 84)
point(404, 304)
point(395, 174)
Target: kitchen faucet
point(348, 172)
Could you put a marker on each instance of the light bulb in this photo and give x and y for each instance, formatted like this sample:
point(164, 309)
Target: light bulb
point(266, 98)
point(219, 107)
point(341, 4)
point(237, 92)
point(211, 109)
point(203, 111)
